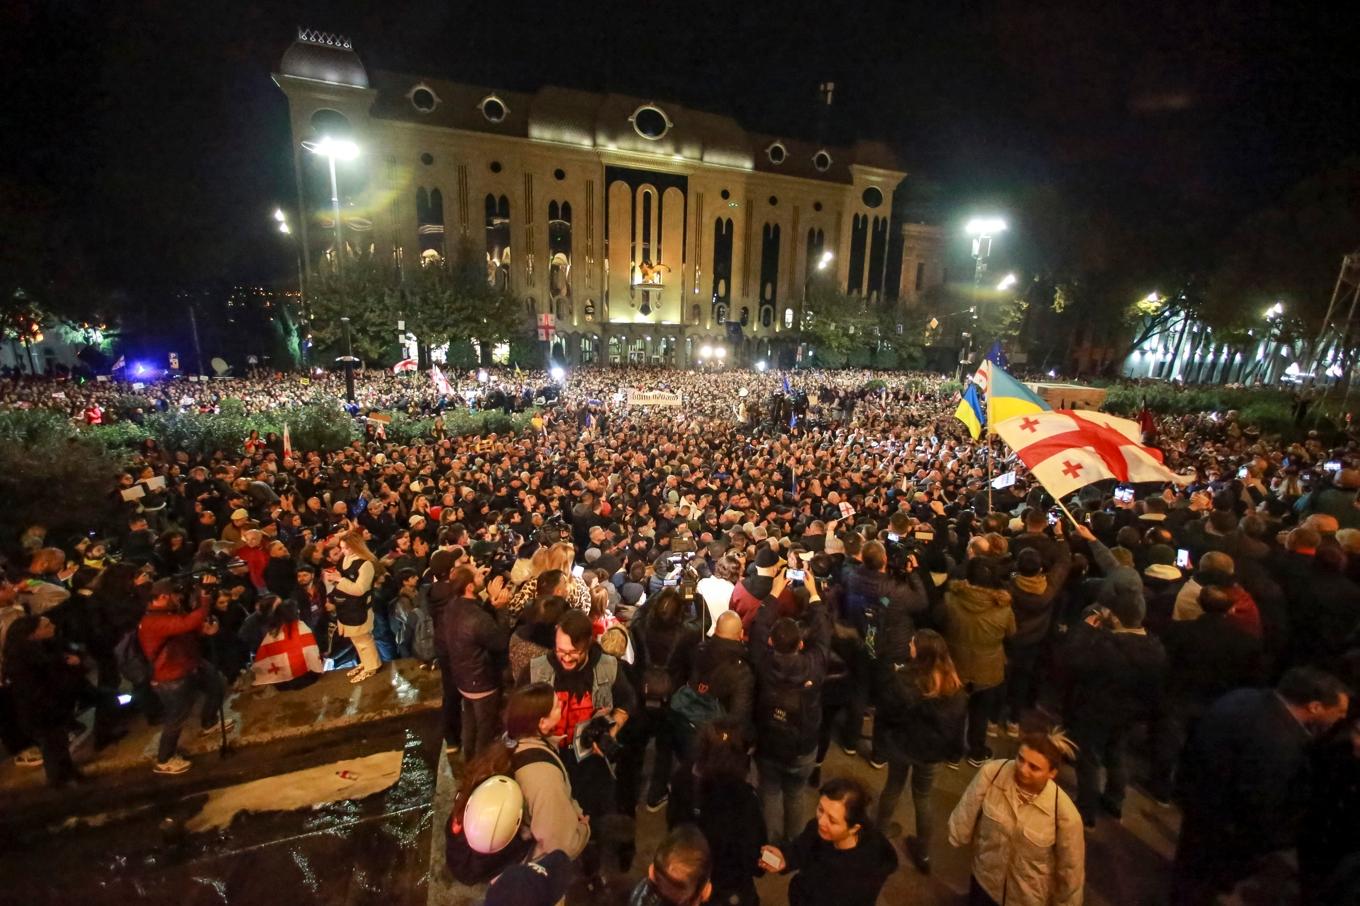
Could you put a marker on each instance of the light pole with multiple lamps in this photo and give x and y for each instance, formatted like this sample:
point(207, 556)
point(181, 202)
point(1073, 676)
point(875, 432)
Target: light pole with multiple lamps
point(334, 149)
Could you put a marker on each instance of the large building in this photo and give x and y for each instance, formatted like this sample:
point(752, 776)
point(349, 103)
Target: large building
point(647, 229)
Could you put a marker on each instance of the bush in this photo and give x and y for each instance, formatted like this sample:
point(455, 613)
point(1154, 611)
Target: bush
point(54, 473)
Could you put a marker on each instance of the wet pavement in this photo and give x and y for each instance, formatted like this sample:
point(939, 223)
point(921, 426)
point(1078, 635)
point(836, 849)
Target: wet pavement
point(370, 850)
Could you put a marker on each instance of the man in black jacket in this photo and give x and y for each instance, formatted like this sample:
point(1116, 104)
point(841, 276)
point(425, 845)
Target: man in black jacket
point(790, 664)
point(1242, 785)
point(476, 646)
point(722, 667)
point(1114, 674)
point(1207, 657)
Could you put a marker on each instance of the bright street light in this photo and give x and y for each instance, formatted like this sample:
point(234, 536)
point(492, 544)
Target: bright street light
point(283, 228)
point(761, 366)
point(556, 373)
point(705, 352)
point(334, 149)
point(825, 260)
point(278, 215)
point(985, 226)
point(1274, 311)
point(721, 352)
point(1006, 282)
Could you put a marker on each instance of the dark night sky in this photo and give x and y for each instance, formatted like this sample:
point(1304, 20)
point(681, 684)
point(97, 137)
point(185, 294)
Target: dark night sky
point(151, 130)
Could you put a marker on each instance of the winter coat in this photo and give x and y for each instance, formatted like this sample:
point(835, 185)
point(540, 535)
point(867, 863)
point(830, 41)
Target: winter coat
point(1033, 597)
point(914, 727)
point(789, 685)
point(1206, 658)
point(554, 817)
point(724, 666)
point(976, 621)
point(1111, 677)
point(475, 645)
point(170, 642)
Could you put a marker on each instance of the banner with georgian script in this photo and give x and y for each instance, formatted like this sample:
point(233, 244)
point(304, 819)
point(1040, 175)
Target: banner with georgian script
point(652, 398)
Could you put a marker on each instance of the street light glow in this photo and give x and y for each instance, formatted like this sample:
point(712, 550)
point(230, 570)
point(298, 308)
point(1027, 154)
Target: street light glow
point(720, 352)
point(761, 366)
point(985, 226)
point(337, 148)
point(283, 228)
point(278, 215)
point(705, 352)
point(556, 373)
point(825, 260)
point(1006, 282)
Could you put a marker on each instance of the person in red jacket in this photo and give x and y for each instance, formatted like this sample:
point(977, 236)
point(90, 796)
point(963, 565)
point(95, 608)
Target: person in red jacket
point(169, 639)
point(255, 555)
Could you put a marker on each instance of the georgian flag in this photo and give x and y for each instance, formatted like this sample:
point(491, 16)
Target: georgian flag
point(404, 365)
point(1067, 449)
point(287, 655)
point(441, 383)
point(287, 442)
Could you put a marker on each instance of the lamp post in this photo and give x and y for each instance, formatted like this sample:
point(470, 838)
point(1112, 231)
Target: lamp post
point(348, 361)
point(334, 149)
point(982, 229)
point(305, 334)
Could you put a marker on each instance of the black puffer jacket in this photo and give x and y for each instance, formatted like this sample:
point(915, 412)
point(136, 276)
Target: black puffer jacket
point(1032, 598)
point(1111, 678)
point(475, 644)
point(788, 712)
point(724, 667)
point(914, 727)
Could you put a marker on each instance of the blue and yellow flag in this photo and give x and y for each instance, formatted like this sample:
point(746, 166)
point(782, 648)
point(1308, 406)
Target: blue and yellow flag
point(970, 411)
point(1007, 397)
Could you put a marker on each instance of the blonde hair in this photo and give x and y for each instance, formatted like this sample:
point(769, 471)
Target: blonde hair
point(354, 541)
point(47, 560)
point(561, 556)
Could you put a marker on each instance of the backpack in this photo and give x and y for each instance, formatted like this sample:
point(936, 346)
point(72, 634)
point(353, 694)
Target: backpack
point(471, 867)
point(131, 659)
point(782, 709)
point(692, 708)
point(657, 683)
point(422, 635)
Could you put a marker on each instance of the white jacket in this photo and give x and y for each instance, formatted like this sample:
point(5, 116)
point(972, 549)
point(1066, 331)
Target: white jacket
point(1027, 854)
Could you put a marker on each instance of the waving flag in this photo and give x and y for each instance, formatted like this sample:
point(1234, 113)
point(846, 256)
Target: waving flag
point(1067, 449)
point(404, 365)
point(120, 364)
point(287, 442)
point(997, 356)
point(1006, 397)
point(441, 383)
point(286, 654)
point(970, 411)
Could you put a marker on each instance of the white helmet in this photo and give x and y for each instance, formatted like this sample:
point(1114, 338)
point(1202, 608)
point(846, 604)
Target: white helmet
point(493, 813)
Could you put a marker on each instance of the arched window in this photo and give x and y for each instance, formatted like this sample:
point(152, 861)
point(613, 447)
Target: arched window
point(788, 318)
point(720, 313)
point(766, 316)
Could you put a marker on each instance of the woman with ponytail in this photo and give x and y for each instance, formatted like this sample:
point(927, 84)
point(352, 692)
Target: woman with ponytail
point(351, 597)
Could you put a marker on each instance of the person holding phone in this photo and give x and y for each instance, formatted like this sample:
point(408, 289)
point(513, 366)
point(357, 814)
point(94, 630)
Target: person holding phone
point(839, 857)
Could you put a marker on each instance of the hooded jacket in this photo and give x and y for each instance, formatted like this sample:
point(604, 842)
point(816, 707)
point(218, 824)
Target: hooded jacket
point(1032, 597)
point(976, 621)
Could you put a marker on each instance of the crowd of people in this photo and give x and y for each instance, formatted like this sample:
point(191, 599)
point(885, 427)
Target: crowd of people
point(775, 564)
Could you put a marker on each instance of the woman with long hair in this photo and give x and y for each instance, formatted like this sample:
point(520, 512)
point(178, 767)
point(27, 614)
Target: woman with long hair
point(715, 796)
point(352, 598)
point(921, 709)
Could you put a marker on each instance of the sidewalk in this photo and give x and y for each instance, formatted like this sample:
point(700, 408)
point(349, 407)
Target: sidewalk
point(262, 714)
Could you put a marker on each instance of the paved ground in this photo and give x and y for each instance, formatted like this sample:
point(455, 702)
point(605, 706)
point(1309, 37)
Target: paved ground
point(125, 836)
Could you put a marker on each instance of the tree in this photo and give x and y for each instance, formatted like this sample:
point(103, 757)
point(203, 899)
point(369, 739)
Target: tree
point(452, 302)
point(41, 454)
point(836, 322)
point(364, 293)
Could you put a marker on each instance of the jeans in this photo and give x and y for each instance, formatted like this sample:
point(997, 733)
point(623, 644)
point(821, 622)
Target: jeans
point(922, 781)
point(384, 636)
point(784, 795)
point(451, 709)
point(1100, 746)
point(177, 698)
point(982, 704)
point(481, 722)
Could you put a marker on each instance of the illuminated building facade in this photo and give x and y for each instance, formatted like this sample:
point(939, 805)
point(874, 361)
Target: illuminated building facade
point(646, 228)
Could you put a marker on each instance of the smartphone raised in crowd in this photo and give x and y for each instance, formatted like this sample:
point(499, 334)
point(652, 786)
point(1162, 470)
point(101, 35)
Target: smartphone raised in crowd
point(795, 575)
point(1182, 558)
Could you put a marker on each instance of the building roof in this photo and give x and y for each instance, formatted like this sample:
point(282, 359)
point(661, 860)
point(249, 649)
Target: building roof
point(323, 57)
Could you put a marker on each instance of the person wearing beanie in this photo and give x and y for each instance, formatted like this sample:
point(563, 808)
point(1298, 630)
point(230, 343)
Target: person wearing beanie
point(1034, 592)
point(1121, 581)
point(1113, 676)
point(751, 591)
point(1162, 581)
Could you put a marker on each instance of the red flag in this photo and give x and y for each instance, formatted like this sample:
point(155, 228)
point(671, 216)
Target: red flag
point(287, 654)
point(404, 365)
point(287, 443)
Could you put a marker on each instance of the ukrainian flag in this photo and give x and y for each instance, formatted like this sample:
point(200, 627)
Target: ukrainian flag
point(970, 411)
point(1007, 397)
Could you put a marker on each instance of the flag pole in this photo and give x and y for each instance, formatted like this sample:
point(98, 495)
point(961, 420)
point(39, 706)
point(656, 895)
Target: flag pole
point(1066, 512)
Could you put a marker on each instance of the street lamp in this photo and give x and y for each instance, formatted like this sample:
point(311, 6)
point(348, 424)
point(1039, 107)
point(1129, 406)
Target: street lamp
point(1006, 282)
point(334, 149)
point(981, 229)
point(825, 261)
point(305, 333)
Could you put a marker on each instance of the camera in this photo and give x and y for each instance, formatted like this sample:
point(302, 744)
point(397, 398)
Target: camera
point(594, 734)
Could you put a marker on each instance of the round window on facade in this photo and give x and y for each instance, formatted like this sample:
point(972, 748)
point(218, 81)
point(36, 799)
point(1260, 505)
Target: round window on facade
point(774, 200)
point(726, 194)
point(495, 166)
point(427, 158)
point(872, 197)
point(559, 174)
point(493, 108)
point(423, 99)
point(822, 161)
point(650, 122)
point(816, 206)
point(776, 153)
